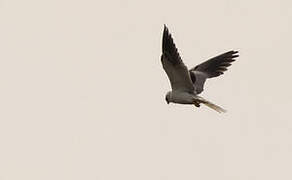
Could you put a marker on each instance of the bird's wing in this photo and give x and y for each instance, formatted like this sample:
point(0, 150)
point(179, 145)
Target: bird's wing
point(173, 65)
point(211, 68)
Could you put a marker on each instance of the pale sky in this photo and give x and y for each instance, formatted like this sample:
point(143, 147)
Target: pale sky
point(82, 91)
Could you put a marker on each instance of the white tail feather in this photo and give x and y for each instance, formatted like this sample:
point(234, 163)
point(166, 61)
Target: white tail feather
point(210, 105)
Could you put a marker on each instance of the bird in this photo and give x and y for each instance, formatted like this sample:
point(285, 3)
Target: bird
point(187, 84)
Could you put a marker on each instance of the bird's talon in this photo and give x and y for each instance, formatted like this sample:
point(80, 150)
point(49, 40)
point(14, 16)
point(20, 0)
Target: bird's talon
point(197, 104)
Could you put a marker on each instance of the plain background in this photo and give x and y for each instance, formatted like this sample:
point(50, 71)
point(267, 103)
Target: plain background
point(82, 91)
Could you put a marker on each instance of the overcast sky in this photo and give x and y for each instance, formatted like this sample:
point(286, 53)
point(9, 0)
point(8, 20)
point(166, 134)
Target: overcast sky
point(82, 91)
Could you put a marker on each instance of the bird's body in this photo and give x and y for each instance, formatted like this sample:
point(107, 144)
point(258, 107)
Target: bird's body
point(187, 84)
point(181, 97)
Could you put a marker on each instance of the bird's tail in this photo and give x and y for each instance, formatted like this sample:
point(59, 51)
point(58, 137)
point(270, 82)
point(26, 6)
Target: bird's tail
point(209, 104)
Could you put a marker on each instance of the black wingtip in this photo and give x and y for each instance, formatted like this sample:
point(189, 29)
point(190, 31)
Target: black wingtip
point(165, 32)
point(167, 41)
point(235, 53)
point(231, 54)
point(168, 47)
point(165, 38)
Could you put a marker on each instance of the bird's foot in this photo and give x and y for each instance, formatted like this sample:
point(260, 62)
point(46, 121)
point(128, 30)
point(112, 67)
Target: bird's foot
point(197, 104)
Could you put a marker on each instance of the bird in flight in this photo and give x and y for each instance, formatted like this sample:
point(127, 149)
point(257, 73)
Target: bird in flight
point(186, 83)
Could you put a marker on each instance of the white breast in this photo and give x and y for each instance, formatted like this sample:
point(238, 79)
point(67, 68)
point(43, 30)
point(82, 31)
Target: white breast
point(182, 97)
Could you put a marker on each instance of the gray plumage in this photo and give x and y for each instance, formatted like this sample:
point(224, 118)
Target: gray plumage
point(187, 84)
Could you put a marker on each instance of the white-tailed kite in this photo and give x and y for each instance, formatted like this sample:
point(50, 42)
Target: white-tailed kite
point(187, 84)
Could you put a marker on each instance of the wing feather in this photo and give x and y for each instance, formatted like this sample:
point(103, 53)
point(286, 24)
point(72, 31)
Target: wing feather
point(217, 65)
point(173, 65)
point(211, 68)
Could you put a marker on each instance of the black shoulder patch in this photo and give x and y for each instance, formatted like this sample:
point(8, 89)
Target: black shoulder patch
point(193, 77)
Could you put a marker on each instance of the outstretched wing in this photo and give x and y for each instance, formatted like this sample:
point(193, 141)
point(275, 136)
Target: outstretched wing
point(173, 65)
point(211, 68)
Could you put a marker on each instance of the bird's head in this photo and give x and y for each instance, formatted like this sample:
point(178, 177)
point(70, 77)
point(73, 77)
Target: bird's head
point(168, 97)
